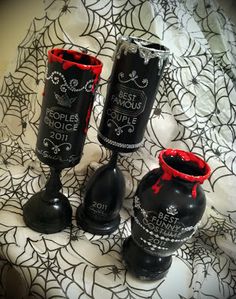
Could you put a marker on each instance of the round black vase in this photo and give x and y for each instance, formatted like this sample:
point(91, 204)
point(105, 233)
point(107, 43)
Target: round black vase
point(99, 212)
point(168, 206)
point(48, 211)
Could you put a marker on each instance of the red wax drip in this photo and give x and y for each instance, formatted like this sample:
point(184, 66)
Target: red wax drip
point(55, 55)
point(187, 157)
point(77, 56)
point(169, 172)
point(194, 191)
point(157, 186)
point(94, 66)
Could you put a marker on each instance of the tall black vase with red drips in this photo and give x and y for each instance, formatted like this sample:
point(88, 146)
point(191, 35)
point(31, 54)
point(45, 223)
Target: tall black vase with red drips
point(70, 85)
point(168, 206)
point(136, 74)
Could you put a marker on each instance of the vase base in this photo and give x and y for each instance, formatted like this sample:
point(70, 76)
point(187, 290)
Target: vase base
point(47, 216)
point(93, 227)
point(143, 265)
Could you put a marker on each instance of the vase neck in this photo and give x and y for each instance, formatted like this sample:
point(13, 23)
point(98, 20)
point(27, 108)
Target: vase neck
point(183, 165)
point(113, 159)
point(53, 184)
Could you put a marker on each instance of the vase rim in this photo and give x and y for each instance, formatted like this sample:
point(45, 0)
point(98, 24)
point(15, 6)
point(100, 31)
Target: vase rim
point(92, 63)
point(146, 44)
point(185, 157)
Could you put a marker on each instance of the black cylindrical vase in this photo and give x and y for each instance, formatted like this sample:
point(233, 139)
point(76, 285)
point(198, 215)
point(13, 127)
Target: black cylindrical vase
point(136, 73)
point(66, 108)
point(68, 99)
point(168, 205)
point(137, 69)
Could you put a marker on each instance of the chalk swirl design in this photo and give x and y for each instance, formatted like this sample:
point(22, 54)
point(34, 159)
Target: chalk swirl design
point(56, 148)
point(57, 77)
point(132, 77)
point(119, 129)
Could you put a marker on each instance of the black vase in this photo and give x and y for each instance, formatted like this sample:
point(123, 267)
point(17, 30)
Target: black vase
point(136, 73)
point(68, 98)
point(168, 206)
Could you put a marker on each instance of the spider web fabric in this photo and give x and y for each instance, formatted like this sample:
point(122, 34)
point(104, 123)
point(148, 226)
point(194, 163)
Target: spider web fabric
point(194, 110)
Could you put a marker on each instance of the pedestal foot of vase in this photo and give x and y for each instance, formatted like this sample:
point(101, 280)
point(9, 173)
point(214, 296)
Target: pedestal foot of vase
point(143, 265)
point(48, 211)
point(99, 212)
point(47, 216)
point(96, 227)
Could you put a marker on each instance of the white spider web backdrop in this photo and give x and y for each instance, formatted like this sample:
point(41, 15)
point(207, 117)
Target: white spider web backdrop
point(194, 110)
